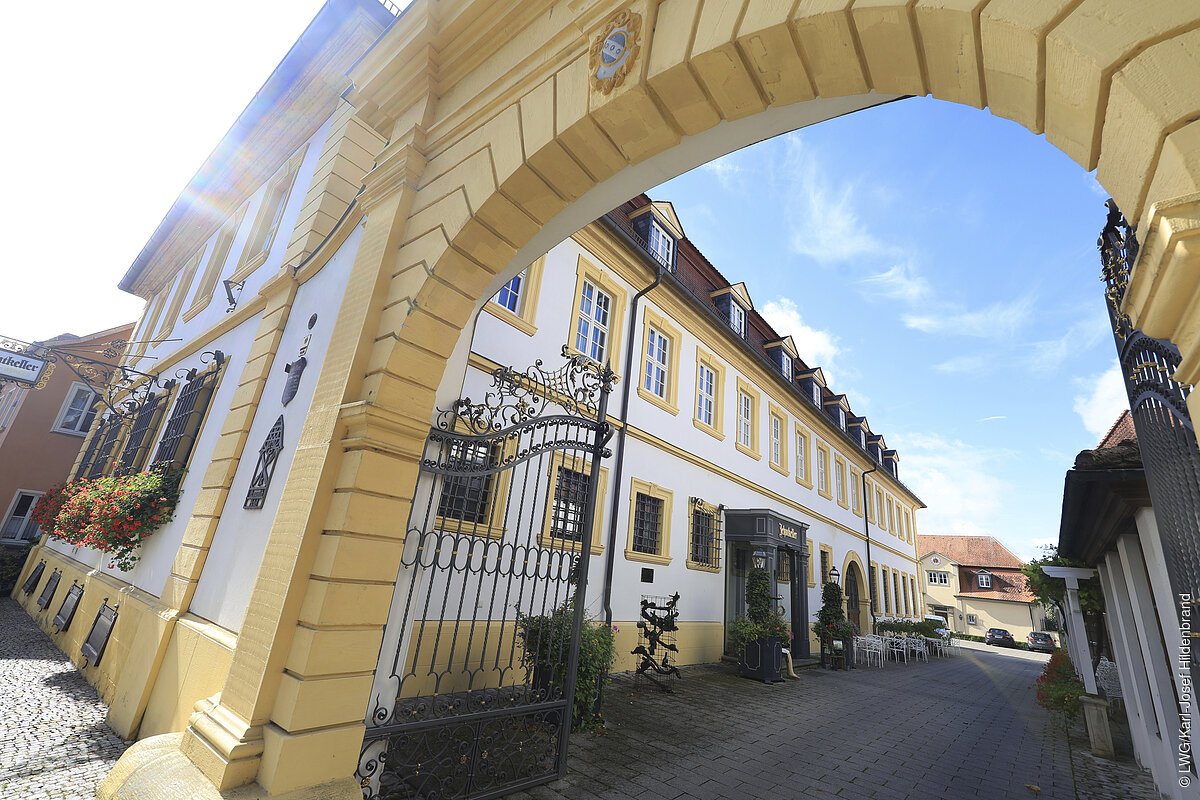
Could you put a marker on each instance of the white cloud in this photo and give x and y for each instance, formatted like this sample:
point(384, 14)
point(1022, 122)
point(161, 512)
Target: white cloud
point(1102, 401)
point(727, 171)
point(997, 321)
point(958, 482)
point(995, 418)
point(818, 348)
point(962, 364)
point(901, 282)
point(825, 222)
point(1050, 354)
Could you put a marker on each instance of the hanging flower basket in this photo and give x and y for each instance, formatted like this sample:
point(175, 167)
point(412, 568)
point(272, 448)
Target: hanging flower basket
point(114, 514)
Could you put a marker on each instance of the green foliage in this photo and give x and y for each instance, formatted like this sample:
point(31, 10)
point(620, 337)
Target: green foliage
point(546, 641)
point(831, 621)
point(909, 627)
point(1053, 591)
point(743, 630)
point(12, 559)
point(758, 595)
point(1058, 687)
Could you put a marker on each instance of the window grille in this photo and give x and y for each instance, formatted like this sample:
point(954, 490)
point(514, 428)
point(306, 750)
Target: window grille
point(824, 567)
point(874, 590)
point(706, 534)
point(570, 499)
point(647, 523)
point(896, 590)
point(783, 571)
point(137, 446)
point(100, 449)
point(264, 470)
point(591, 333)
point(467, 498)
point(182, 428)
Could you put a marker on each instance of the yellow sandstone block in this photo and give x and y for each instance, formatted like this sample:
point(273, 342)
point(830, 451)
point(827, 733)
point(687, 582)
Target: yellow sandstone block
point(889, 46)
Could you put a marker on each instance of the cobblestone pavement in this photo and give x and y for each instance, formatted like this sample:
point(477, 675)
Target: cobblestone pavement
point(960, 728)
point(54, 744)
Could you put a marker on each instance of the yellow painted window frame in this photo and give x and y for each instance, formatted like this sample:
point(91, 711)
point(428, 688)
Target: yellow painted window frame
point(828, 550)
point(577, 463)
point(704, 507)
point(586, 270)
point(908, 532)
point(269, 217)
point(856, 491)
point(663, 556)
point(891, 515)
point(717, 429)
point(754, 450)
point(803, 456)
point(495, 525)
point(670, 403)
point(840, 471)
point(185, 284)
point(879, 517)
point(808, 560)
point(524, 320)
point(825, 491)
point(777, 414)
point(215, 265)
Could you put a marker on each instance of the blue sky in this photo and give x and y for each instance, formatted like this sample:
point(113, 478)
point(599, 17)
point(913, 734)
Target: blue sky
point(940, 264)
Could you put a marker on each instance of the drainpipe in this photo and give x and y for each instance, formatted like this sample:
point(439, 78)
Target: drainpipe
point(867, 531)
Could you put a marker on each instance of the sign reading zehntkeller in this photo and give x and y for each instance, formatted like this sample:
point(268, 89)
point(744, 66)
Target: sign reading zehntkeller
point(20, 367)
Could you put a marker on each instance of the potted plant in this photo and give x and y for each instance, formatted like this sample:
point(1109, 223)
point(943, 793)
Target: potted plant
point(758, 637)
point(835, 632)
point(546, 649)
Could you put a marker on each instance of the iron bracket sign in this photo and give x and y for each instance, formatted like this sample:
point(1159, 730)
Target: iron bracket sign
point(21, 367)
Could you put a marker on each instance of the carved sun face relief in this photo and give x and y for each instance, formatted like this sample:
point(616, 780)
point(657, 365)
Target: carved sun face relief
point(614, 50)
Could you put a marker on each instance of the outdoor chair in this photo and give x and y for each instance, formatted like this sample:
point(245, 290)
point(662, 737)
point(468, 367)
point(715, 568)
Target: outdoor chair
point(918, 649)
point(868, 649)
point(938, 646)
point(897, 649)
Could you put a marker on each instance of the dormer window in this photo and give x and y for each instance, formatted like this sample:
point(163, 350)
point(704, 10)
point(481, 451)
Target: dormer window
point(984, 579)
point(737, 319)
point(816, 393)
point(785, 365)
point(841, 418)
point(661, 245)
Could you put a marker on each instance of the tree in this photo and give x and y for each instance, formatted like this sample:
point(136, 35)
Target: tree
point(1053, 592)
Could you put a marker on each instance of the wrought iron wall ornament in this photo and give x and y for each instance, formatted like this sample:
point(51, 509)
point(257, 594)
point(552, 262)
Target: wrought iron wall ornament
point(47, 596)
point(657, 631)
point(35, 575)
point(517, 397)
point(230, 286)
point(97, 638)
point(264, 470)
point(473, 693)
point(66, 612)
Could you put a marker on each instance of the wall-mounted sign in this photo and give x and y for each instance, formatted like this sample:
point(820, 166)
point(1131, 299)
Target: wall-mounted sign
point(20, 367)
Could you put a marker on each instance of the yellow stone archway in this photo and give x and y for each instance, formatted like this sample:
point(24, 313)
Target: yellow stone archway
point(853, 561)
point(502, 140)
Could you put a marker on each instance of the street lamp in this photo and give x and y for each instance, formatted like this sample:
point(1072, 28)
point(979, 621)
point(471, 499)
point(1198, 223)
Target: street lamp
point(760, 559)
point(834, 575)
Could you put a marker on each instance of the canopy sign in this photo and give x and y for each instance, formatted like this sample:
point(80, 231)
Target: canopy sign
point(20, 367)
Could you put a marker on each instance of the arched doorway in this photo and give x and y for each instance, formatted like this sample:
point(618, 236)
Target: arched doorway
point(853, 606)
point(499, 147)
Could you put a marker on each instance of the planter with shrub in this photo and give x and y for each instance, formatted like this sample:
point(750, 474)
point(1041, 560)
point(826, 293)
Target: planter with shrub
point(758, 638)
point(546, 649)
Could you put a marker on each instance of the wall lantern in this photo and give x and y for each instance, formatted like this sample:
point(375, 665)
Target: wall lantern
point(760, 559)
point(834, 575)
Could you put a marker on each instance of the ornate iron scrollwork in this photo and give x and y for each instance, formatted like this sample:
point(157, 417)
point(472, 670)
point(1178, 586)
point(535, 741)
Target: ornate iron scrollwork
point(517, 397)
point(656, 638)
point(264, 470)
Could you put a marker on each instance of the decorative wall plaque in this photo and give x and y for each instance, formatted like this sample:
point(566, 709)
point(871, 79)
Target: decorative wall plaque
point(264, 470)
point(614, 51)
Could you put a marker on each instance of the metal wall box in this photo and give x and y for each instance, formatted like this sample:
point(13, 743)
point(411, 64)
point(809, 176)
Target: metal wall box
point(62, 620)
point(32, 581)
point(97, 638)
point(47, 595)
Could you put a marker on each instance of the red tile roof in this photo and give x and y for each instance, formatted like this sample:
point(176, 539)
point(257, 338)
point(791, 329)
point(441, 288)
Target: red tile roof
point(969, 551)
point(1121, 430)
point(1007, 584)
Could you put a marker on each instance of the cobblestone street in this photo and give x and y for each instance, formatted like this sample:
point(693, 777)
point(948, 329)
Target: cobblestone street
point(54, 743)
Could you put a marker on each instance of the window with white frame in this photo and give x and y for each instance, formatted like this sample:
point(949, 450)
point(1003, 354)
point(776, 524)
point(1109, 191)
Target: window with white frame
point(662, 245)
point(511, 294)
point(77, 412)
point(937, 578)
point(706, 395)
point(822, 470)
point(984, 579)
point(816, 391)
point(591, 330)
point(745, 432)
point(854, 491)
point(737, 318)
point(10, 400)
point(972, 619)
point(801, 455)
point(658, 349)
point(785, 365)
point(776, 440)
point(19, 524)
point(839, 481)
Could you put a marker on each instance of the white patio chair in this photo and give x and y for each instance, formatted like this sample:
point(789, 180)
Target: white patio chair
point(867, 649)
point(918, 649)
point(897, 648)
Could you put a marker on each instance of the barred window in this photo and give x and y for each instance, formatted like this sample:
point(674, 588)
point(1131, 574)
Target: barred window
point(570, 501)
point(186, 418)
point(825, 555)
point(647, 524)
point(704, 548)
point(97, 456)
point(783, 570)
point(874, 590)
point(145, 422)
point(467, 497)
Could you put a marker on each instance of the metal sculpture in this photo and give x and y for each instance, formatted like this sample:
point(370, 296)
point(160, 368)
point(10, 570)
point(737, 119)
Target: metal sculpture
point(264, 470)
point(657, 631)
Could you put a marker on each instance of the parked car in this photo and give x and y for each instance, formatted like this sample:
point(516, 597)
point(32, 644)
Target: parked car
point(1041, 642)
point(999, 636)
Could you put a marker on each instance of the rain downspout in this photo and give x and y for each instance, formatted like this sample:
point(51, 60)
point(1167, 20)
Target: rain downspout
point(867, 531)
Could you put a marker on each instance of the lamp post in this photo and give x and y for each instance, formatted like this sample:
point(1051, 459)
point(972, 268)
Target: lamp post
point(834, 575)
point(760, 559)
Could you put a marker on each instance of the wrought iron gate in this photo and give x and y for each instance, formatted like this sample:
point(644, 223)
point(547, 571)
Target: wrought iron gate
point(473, 695)
point(1158, 403)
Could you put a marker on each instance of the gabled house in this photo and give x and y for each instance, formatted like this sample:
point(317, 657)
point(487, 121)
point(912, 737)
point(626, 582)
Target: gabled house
point(975, 583)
